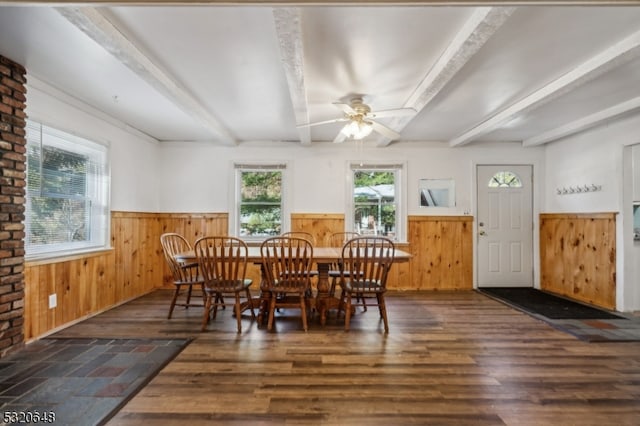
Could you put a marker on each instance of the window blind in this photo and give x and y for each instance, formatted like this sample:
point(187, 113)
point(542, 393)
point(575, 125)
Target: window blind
point(67, 192)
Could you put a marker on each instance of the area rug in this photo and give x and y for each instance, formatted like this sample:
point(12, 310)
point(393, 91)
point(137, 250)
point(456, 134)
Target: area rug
point(581, 321)
point(546, 304)
point(79, 381)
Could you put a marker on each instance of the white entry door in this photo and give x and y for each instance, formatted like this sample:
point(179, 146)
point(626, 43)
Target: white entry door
point(505, 226)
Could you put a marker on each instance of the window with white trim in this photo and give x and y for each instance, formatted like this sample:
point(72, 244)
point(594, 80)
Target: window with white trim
point(260, 201)
point(376, 201)
point(67, 206)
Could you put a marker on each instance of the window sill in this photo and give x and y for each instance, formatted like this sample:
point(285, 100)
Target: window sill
point(45, 259)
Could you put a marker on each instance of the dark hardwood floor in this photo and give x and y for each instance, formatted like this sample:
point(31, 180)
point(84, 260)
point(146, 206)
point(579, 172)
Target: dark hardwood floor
point(450, 358)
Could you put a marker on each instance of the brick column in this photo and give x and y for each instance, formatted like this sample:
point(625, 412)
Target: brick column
point(12, 201)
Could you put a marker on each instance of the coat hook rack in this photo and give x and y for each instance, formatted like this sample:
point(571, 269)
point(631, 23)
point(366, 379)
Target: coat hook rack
point(578, 189)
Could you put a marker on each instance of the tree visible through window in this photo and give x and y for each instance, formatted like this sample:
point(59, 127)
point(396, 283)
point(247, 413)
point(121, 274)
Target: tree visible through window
point(375, 202)
point(260, 203)
point(57, 189)
point(67, 187)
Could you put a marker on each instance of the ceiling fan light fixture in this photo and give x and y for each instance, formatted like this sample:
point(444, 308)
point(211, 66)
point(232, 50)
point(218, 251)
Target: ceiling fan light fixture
point(357, 129)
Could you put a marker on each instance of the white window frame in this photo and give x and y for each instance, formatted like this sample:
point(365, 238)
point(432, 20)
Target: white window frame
point(400, 182)
point(238, 168)
point(98, 192)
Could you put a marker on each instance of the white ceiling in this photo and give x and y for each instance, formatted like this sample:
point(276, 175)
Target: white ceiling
point(230, 74)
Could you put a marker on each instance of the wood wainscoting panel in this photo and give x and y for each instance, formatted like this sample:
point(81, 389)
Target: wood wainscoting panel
point(578, 256)
point(194, 225)
point(139, 262)
point(190, 225)
point(83, 286)
point(400, 274)
point(441, 247)
point(442, 250)
point(320, 225)
point(87, 284)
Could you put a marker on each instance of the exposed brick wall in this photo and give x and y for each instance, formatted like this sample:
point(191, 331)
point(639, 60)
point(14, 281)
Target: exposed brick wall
point(12, 201)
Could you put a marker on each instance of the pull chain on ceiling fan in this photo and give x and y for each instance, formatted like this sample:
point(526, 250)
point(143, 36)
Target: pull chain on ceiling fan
point(360, 123)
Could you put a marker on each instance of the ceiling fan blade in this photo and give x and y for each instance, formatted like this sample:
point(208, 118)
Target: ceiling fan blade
point(340, 138)
point(397, 112)
point(317, 123)
point(385, 131)
point(346, 108)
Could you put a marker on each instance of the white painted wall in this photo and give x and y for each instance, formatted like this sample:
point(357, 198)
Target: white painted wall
point(598, 157)
point(133, 156)
point(590, 159)
point(201, 175)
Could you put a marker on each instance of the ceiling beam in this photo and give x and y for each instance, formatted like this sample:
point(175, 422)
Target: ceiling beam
point(113, 3)
point(606, 60)
point(90, 21)
point(484, 22)
point(288, 23)
point(584, 123)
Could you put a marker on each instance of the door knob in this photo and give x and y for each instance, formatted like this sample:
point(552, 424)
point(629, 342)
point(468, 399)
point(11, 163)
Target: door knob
point(482, 233)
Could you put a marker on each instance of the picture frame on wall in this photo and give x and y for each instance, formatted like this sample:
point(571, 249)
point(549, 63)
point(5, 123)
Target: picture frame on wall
point(636, 221)
point(437, 193)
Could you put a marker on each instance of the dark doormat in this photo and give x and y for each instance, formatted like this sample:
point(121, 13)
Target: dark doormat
point(546, 304)
point(79, 381)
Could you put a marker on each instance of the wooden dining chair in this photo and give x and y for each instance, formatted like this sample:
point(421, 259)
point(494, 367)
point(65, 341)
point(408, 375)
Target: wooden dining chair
point(365, 263)
point(338, 239)
point(287, 265)
point(223, 265)
point(306, 236)
point(185, 275)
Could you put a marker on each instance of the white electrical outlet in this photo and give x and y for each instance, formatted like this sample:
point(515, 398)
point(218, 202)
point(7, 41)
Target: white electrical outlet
point(53, 301)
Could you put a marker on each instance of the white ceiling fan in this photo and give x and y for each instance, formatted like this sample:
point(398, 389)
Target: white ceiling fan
point(360, 123)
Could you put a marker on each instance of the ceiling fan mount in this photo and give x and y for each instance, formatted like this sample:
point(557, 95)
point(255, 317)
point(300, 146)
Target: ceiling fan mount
point(359, 117)
point(359, 107)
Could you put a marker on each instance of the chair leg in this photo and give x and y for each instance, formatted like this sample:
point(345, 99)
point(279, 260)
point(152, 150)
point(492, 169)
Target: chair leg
point(380, 306)
point(189, 289)
point(303, 308)
point(173, 301)
point(272, 311)
point(205, 315)
point(383, 312)
point(204, 294)
point(341, 305)
point(220, 301)
point(238, 313)
point(265, 303)
point(332, 289)
point(250, 302)
point(359, 297)
point(347, 315)
point(215, 307)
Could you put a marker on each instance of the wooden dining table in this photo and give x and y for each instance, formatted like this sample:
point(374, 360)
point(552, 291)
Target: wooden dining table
point(323, 257)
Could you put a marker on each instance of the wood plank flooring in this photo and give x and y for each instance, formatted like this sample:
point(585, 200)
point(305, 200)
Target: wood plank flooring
point(450, 358)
